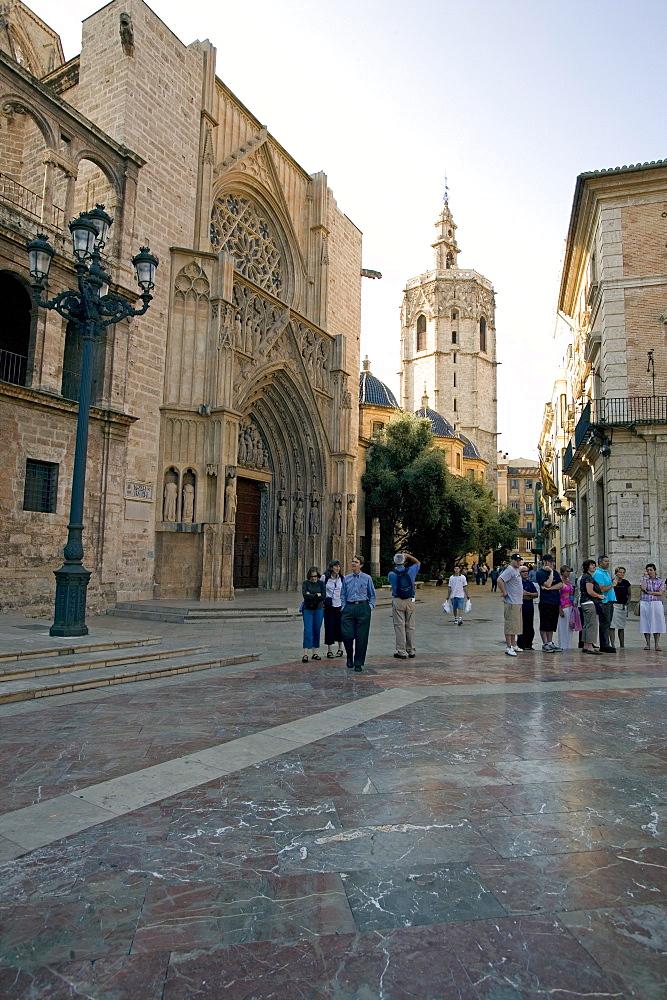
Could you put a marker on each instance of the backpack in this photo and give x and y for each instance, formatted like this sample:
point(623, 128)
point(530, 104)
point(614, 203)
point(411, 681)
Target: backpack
point(404, 586)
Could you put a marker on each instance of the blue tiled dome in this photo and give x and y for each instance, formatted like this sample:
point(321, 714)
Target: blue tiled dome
point(439, 425)
point(470, 450)
point(374, 392)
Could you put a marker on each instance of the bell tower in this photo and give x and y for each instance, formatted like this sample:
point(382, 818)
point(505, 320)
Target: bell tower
point(448, 344)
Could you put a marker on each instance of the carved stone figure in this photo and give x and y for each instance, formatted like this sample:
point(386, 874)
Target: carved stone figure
point(298, 518)
point(170, 499)
point(314, 518)
point(230, 500)
point(282, 518)
point(188, 514)
point(337, 520)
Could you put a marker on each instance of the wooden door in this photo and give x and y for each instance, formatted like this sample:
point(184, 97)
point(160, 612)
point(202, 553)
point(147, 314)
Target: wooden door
point(246, 537)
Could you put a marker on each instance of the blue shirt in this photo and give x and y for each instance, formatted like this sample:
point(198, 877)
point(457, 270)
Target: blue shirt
point(358, 587)
point(529, 588)
point(603, 577)
point(393, 578)
point(548, 596)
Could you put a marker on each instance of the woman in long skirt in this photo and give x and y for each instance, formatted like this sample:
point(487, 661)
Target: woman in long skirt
point(333, 583)
point(651, 611)
point(566, 635)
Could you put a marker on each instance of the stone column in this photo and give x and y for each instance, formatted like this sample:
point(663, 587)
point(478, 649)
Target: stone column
point(375, 547)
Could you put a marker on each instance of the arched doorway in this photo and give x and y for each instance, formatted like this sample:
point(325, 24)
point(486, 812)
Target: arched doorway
point(15, 329)
point(246, 534)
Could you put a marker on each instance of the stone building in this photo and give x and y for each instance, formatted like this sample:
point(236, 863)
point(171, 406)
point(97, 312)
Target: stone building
point(223, 437)
point(604, 431)
point(448, 345)
point(522, 479)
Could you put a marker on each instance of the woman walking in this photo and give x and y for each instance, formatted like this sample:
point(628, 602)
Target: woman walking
point(313, 593)
point(651, 611)
point(566, 634)
point(333, 586)
point(590, 596)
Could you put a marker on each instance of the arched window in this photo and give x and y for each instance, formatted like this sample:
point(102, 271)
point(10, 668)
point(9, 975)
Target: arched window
point(455, 314)
point(16, 307)
point(421, 332)
point(482, 334)
point(72, 360)
point(449, 261)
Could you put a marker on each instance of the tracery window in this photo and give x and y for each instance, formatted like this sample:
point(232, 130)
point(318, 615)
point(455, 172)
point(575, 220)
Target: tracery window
point(242, 231)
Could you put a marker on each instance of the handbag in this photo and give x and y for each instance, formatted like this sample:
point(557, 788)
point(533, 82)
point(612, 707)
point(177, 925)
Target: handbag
point(637, 610)
point(575, 619)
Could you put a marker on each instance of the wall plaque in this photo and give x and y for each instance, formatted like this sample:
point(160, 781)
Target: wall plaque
point(630, 515)
point(139, 491)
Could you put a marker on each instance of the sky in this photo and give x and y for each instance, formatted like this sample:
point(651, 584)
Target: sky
point(508, 99)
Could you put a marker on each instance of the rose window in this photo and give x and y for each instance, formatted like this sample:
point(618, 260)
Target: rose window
point(238, 228)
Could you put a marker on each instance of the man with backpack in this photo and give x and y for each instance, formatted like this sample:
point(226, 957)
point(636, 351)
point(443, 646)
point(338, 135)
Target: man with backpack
point(402, 581)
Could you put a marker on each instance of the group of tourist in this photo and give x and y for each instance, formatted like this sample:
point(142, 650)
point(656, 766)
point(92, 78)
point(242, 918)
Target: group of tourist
point(590, 614)
point(344, 604)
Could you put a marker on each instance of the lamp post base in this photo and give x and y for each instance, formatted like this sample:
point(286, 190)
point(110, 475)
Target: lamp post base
point(70, 611)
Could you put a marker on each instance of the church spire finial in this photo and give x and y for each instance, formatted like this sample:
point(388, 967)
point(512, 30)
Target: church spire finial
point(366, 363)
point(445, 197)
point(425, 399)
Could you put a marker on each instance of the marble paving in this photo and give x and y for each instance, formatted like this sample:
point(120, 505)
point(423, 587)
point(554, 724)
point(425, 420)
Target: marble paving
point(464, 826)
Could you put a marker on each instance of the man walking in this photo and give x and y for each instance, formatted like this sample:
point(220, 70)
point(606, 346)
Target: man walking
point(510, 585)
point(357, 601)
point(603, 577)
point(402, 581)
point(457, 587)
point(549, 583)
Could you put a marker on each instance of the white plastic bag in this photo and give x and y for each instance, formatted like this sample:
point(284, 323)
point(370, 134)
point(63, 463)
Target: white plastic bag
point(468, 606)
point(447, 607)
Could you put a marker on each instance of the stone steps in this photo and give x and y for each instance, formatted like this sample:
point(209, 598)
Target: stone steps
point(50, 664)
point(68, 647)
point(105, 673)
point(198, 615)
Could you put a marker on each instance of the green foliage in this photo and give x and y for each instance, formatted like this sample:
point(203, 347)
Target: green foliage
point(438, 516)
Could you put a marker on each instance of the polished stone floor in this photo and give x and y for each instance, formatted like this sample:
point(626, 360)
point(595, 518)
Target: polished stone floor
point(463, 826)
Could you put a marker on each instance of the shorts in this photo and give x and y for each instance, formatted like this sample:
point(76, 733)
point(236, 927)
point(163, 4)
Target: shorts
point(549, 614)
point(513, 619)
point(458, 603)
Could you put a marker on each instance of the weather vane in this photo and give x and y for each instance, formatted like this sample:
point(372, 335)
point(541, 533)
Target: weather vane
point(446, 195)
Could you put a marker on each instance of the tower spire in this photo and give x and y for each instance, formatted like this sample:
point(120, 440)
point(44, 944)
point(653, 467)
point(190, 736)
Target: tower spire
point(445, 246)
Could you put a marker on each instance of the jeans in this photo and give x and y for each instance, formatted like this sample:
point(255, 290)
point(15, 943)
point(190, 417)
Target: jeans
point(312, 626)
point(458, 603)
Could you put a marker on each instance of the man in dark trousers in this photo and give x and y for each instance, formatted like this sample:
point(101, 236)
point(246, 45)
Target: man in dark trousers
point(550, 584)
point(525, 640)
point(357, 600)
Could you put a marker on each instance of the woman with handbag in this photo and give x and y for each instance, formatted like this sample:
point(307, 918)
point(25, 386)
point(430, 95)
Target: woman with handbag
point(651, 611)
point(566, 633)
point(333, 586)
point(312, 610)
point(591, 596)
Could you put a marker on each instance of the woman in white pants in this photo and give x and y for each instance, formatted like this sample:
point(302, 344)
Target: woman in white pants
point(566, 635)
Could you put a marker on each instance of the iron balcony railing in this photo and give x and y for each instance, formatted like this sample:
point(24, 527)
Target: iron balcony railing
point(614, 412)
point(28, 201)
point(13, 367)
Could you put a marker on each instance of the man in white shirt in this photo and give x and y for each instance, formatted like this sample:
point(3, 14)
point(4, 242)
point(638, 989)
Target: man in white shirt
point(510, 586)
point(458, 593)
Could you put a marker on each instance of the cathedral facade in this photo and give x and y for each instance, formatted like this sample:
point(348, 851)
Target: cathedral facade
point(223, 432)
point(448, 346)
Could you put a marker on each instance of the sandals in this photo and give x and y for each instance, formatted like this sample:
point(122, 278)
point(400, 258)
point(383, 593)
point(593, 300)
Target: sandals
point(304, 659)
point(340, 652)
point(330, 656)
point(315, 657)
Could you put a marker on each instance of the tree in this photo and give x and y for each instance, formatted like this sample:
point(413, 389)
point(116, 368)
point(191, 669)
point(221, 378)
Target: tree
point(421, 505)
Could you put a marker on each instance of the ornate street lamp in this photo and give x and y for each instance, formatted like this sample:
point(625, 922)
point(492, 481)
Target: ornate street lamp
point(91, 308)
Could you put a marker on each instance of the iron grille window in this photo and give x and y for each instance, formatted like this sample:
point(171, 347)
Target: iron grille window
point(41, 486)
